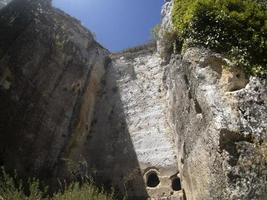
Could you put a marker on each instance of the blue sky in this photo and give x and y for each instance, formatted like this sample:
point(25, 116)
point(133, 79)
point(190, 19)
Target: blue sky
point(118, 24)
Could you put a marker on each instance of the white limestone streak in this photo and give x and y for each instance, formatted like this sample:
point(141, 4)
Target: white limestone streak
point(144, 101)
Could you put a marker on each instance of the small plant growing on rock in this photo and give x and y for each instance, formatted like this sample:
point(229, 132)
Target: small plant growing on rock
point(171, 42)
point(155, 32)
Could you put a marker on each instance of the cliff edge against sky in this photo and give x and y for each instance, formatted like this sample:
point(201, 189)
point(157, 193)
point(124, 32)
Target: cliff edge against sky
point(177, 120)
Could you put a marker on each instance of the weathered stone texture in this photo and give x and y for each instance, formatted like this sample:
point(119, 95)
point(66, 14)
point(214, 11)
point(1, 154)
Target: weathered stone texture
point(138, 123)
point(219, 119)
point(130, 122)
point(50, 69)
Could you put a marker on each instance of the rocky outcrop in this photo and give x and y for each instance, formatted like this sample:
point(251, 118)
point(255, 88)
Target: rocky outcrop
point(218, 116)
point(50, 69)
point(219, 121)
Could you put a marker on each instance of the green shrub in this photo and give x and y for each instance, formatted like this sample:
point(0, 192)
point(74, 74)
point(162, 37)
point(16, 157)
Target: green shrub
point(237, 28)
point(11, 188)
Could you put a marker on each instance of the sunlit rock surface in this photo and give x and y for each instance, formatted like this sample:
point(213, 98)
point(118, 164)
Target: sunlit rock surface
point(219, 120)
point(131, 138)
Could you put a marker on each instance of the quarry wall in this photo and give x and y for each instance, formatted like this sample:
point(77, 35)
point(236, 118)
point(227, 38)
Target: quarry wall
point(150, 123)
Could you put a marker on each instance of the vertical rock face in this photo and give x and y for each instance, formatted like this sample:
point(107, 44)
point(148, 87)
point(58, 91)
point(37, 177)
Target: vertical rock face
point(137, 123)
point(130, 145)
point(219, 120)
point(50, 69)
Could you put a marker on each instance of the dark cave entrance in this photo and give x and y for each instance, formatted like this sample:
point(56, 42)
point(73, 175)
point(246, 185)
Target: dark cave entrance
point(176, 184)
point(152, 179)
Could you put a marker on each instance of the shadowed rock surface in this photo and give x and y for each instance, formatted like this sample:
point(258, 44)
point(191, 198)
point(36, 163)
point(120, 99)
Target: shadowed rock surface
point(50, 68)
point(109, 151)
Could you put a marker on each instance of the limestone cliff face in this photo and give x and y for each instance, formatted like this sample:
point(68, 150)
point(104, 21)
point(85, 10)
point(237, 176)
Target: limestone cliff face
point(130, 138)
point(219, 120)
point(50, 69)
point(151, 124)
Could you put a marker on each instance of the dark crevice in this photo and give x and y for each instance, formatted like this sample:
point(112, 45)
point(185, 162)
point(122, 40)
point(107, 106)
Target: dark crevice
point(2, 152)
point(233, 177)
point(189, 94)
point(235, 88)
point(186, 80)
point(184, 195)
point(197, 107)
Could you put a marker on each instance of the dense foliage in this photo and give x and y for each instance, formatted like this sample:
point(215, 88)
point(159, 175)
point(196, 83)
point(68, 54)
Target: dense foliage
point(237, 28)
point(11, 188)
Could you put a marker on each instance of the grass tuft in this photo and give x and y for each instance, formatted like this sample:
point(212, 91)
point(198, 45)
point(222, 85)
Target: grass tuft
point(12, 188)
